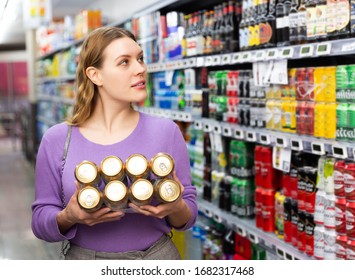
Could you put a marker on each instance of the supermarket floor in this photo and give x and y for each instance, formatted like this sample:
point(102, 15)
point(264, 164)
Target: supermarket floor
point(17, 241)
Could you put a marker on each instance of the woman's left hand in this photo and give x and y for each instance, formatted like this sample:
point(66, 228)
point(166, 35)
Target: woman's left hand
point(162, 210)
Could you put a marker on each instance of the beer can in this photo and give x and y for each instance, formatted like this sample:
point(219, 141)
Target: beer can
point(330, 237)
point(329, 211)
point(279, 214)
point(309, 118)
point(167, 190)
point(350, 249)
point(319, 242)
point(141, 192)
point(258, 207)
point(350, 219)
point(309, 231)
point(137, 167)
point(115, 195)
point(112, 168)
point(349, 180)
point(90, 198)
point(162, 165)
point(340, 247)
point(338, 175)
point(87, 173)
point(342, 113)
point(319, 207)
point(340, 209)
point(268, 210)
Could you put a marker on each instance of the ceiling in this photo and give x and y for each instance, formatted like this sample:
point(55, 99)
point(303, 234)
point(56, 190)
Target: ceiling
point(13, 33)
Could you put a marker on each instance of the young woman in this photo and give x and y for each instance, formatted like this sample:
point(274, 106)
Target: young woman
point(111, 75)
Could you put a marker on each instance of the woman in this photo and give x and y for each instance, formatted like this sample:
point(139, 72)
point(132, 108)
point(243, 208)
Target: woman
point(111, 75)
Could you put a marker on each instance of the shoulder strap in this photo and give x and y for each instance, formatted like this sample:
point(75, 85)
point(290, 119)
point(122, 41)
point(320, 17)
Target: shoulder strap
point(65, 153)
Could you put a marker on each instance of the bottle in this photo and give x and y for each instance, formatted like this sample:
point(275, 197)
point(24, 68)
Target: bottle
point(208, 41)
point(286, 30)
point(270, 26)
point(231, 40)
point(332, 19)
point(205, 30)
point(302, 23)
point(293, 18)
point(223, 27)
point(280, 24)
point(242, 27)
point(261, 23)
point(216, 37)
point(184, 37)
point(199, 32)
point(311, 21)
point(343, 18)
point(321, 21)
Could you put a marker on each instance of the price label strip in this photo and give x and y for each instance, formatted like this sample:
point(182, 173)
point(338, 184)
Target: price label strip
point(200, 62)
point(217, 129)
point(227, 131)
point(318, 148)
point(208, 61)
point(340, 151)
point(236, 58)
point(226, 59)
point(287, 53)
point(306, 51)
point(323, 49)
point(198, 125)
point(281, 142)
point(207, 127)
point(297, 145)
point(216, 60)
point(260, 55)
point(239, 134)
point(251, 136)
point(265, 139)
point(246, 57)
point(272, 54)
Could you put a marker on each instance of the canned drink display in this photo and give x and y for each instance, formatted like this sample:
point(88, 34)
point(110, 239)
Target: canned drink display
point(318, 242)
point(162, 165)
point(309, 231)
point(112, 168)
point(330, 237)
point(87, 173)
point(329, 211)
point(340, 216)
point(338, 175)
point(340, 247)
point(167, 190)
point(349, 180)
point(115, 195)
point(350, 219)
point(141, 192)
point(350, 249)
point(319, 207)
point(137, 166)
point(90, 198)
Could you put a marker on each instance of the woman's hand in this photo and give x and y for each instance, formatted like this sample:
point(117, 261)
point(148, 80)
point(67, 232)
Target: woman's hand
point(177, 212)
point(73, 214)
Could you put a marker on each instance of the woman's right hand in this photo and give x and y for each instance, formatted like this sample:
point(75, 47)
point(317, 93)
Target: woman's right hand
point(73, 214)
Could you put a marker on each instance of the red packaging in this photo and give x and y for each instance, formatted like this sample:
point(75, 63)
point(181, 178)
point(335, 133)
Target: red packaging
point(340, 221)
point(310, 83)
point(267, 171)
point(350, 219)
point(340, 247)
point(309, 119)
point(301, 231)
point(258, 207)
point(301, 87)
point(350, 249)
point(268, 210)
point(243, 246)
point(257, 165)
point(286, 184)
point(349, 180)
point(309, 231)
point(338, 175)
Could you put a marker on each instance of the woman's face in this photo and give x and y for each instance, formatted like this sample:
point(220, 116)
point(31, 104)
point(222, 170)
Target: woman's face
point(123, 73)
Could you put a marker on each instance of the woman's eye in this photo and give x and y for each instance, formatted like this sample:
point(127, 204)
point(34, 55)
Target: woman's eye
point(124, 62)
point(141, 59)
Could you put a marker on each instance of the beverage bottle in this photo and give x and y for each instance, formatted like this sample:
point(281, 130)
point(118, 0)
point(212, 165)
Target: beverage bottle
point(242, 28)
point(216, 36)
point(231, 40)
point(209, 32)
point(261, 22)
point(223, 28)
point(271, 39)
point(280, 24)
point(311, 21)
point(302, 23)
point(200, 41)
point(293, 19)
point(321, 21)
point(343, 19)
point(286, 30)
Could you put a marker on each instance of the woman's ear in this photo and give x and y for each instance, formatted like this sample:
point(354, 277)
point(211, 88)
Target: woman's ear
point(93, 74)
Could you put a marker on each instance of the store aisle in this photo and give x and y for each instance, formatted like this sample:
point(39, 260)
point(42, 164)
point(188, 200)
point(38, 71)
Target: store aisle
point(17, 241)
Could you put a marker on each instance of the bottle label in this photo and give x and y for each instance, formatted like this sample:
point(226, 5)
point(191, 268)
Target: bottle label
point(331, 16)
point(302, 25)
point(321, 21)
point(343, 16)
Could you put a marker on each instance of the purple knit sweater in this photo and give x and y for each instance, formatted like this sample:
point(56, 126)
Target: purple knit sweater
point(133, 231)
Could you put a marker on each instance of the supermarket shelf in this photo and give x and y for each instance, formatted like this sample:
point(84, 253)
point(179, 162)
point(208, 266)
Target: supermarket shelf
point(170, 114)
point(58, 99)
point(247, 228)
point(55, 79)
point(329, 48)
point(62, 48)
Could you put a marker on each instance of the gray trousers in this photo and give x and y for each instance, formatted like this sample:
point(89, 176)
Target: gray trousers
point(163, 249)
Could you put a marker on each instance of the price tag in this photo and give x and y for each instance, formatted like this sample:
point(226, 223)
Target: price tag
point(323, 49)
point(200, 61)
point(185, 63)
point(339, 151)
point(287, 53)
point(239, 134)
point(179, 64)
point(288, 256)
point(198, 125)
point(187, 117)
point(245, 57)
point(226, 59)
point(217, 129)
point(265, 139)
point(207, 127)
point(167, 114)
point(260, 55)
point(216, 60)
point(280, 253)
point(208, 213)
point(306, 51)
point(217, 218)
point(281, 142)
point(251, 136)
point(192, 62)
point(241, 231)
point(272, 54)
point(236, 58)
point(296, 145)
point(227, 131)
point(318, 148)
point(253, 238)
point(208, 61)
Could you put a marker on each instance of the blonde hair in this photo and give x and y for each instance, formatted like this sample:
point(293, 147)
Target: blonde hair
point(91, 54)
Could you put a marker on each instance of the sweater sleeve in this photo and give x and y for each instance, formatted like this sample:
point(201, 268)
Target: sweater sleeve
point(183, 172)
point(48, 194)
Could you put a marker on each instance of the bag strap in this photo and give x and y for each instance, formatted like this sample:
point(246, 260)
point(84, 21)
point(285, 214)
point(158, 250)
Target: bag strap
point(65, 153)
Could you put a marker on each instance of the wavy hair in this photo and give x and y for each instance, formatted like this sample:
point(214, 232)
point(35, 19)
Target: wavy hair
point(91, 54)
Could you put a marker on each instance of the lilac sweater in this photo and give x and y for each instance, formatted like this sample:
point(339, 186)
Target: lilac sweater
point(133, 231)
